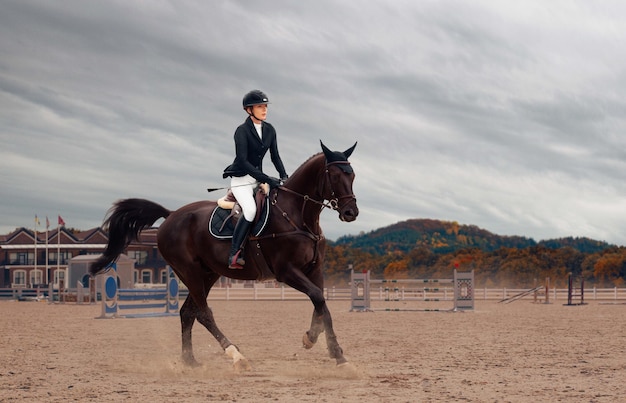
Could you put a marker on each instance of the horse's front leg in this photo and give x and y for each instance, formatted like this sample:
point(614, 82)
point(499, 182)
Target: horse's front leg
point(317, 326)
point(334, 349)
point(322, 320)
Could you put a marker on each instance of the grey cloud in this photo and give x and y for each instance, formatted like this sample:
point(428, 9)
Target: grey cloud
point(508, 117)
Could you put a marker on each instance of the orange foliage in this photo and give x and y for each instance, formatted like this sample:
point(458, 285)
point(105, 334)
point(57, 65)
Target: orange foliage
point(397, 270)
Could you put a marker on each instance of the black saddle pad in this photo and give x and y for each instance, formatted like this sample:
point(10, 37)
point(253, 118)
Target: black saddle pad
point(222, 224)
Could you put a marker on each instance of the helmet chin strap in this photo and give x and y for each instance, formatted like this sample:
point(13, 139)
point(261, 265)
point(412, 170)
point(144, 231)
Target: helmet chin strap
point(252, 114)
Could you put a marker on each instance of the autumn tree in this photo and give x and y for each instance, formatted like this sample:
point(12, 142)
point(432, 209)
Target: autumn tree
point(397, 270)
point(608, 268)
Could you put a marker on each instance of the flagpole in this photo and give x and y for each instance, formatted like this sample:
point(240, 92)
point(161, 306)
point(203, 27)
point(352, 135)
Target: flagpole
point(58, 245)
point(47, 261)
point(60, 222)
point(36, 220)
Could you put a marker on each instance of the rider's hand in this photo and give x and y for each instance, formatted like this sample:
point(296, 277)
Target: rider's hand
point(273, 182)
point(265, 188)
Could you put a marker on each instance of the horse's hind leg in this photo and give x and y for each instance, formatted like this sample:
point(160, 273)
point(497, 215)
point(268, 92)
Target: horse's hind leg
point(189, 311)
point(187, 318)
point(205, 317)
point(201, 311)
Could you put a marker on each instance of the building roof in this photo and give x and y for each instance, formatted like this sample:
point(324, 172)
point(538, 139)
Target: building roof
point(95, 238)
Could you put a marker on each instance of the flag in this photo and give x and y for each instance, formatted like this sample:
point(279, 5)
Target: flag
point(37, 220)
point(47, 223)
point(61, 222)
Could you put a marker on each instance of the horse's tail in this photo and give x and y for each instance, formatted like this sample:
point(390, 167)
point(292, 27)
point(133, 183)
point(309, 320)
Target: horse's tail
point(124, 222)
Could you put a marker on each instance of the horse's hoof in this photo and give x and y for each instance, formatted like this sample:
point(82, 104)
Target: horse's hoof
point(306, 343)
point(190, 361)
point(242, 366)
point(341, 362)
point(347, 370)
point(240, 363)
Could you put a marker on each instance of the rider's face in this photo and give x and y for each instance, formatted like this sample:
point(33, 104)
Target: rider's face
point(259, 112)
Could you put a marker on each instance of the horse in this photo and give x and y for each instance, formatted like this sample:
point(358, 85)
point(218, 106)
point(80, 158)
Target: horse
point(290, 249)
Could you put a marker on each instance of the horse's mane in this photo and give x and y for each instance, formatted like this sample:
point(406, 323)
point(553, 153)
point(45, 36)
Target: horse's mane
point(311, 157)
point(305, 163)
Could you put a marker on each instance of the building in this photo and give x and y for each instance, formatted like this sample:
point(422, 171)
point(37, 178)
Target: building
point(78, 272)
point(31, 259)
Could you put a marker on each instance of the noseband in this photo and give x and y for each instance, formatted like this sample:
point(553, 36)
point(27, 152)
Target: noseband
point(334, 201)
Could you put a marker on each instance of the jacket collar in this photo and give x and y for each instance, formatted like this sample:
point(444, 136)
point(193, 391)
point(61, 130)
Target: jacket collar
point(252, 129)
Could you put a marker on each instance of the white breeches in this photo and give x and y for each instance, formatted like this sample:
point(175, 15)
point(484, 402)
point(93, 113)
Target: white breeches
point(243, 189)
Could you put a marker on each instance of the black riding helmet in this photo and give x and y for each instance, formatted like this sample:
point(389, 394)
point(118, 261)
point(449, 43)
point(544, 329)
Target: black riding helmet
point(255, 97)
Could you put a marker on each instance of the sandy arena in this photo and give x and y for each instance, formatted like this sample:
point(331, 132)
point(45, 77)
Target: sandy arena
point(521, 352)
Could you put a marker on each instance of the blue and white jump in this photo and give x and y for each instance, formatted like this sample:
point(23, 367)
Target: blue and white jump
point(115, 300)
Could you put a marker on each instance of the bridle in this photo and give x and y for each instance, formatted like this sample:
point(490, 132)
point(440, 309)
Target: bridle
point(333, 202)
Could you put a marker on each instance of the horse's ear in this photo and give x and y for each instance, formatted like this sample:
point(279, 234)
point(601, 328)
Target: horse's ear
point(327, 152)
point(348, 152)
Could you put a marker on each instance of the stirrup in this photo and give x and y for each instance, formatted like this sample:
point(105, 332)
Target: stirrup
point(236, 261)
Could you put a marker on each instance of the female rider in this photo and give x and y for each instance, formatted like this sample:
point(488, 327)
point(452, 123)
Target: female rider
point(252, 141)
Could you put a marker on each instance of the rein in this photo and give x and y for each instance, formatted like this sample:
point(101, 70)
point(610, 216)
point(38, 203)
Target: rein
point(307, 231)
point(333, 203)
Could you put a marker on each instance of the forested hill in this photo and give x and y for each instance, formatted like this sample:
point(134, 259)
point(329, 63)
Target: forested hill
point(449, 236)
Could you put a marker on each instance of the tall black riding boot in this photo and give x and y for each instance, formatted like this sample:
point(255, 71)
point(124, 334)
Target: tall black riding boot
point(235, 260)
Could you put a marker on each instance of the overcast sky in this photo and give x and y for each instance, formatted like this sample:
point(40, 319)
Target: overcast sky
point(505, 115)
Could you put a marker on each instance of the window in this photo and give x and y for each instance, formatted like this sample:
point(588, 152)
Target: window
point(36, 277)
point(52, 257)
point(59, 276)
point(146, 276)
point(140, 256)
point(164, 276)
point(64, 255)
point(22, 258)
point(19, 278)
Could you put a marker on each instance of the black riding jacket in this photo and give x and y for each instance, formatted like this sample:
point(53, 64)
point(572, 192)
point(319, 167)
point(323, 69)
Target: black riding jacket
point(250, 150)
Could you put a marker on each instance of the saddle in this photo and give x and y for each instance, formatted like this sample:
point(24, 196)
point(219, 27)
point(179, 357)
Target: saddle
point(228, 211)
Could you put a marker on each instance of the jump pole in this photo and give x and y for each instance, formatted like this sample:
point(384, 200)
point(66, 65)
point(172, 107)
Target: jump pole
point(360, 291)
point(463, 286)
point(546, 293)
point(571, 291)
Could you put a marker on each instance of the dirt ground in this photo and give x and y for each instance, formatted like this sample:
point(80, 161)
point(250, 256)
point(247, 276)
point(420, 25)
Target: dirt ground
point(521, 352)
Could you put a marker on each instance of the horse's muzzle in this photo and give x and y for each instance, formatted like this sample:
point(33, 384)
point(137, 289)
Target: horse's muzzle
point(349, 213)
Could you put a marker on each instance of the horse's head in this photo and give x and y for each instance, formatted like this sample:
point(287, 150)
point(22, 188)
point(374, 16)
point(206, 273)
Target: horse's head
point(338, 186)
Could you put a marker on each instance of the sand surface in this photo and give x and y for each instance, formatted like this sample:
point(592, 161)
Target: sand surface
point(521, 352)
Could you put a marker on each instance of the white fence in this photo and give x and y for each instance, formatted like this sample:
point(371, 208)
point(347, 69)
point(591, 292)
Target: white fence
point(556, 294)
point(284, 293)
point(260, 291)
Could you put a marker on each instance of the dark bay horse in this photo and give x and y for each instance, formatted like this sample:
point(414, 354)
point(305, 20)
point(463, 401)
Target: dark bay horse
point(290, 249)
